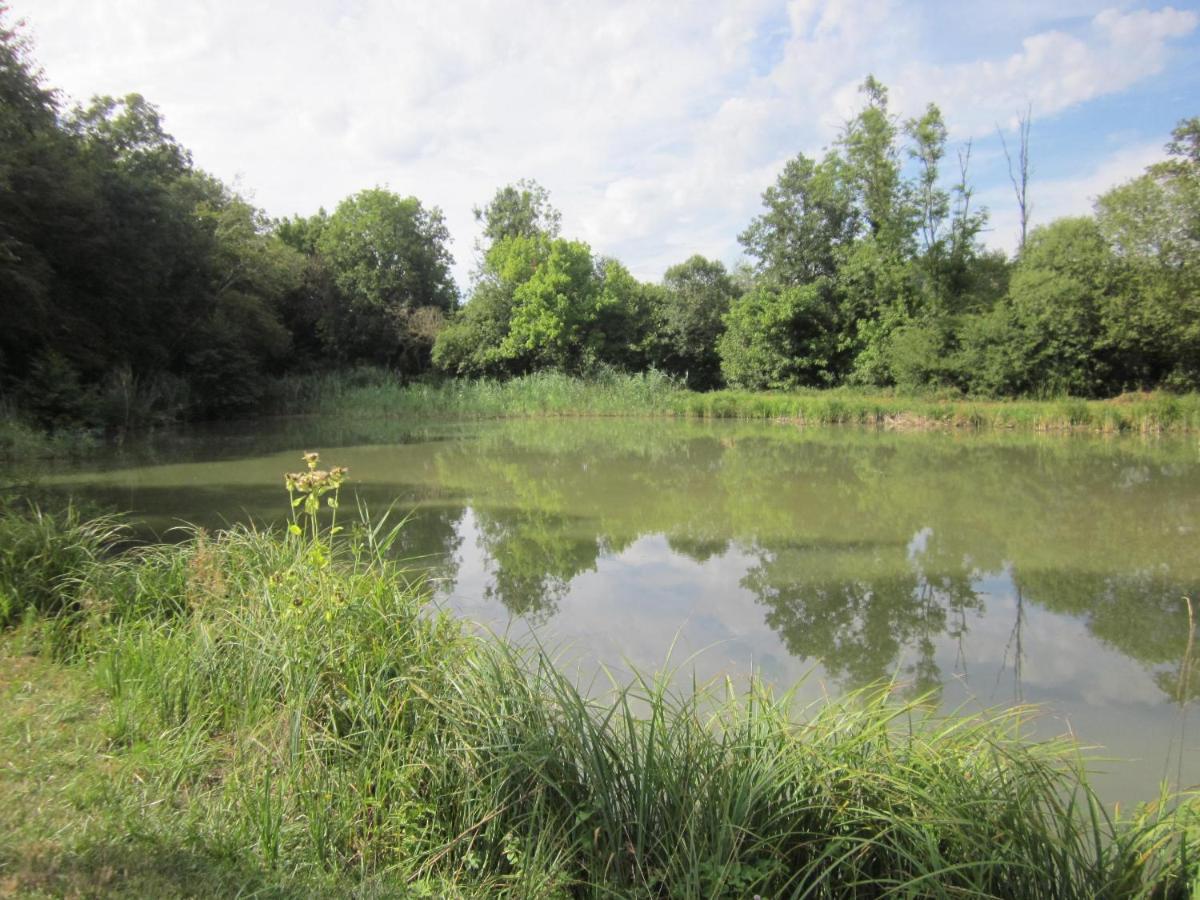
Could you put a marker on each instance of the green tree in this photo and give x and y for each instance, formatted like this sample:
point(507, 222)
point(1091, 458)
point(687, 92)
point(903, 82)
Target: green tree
point(809, 215)
point(690, 311)
point(36, 195)
point(1044, 337)
point(389, 259)
point(778, 337)
point(129, 131)
point(1152, 325)
point(518, 210)
point(877, 292)
point(928, 134)
point(622, 334)
point(543, 302)
point(553, 305)
point(243, 335)
point(872, 159)
point(470, 344)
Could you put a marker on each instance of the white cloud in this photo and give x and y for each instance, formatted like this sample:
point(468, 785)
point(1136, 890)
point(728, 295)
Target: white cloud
point(1052, 71)
point(654, 126)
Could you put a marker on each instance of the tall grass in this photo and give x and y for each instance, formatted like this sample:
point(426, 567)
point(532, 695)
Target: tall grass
point(42, 555)
point(1143, 413)
point(376, 394)
point(307, 712)
point(371, 392)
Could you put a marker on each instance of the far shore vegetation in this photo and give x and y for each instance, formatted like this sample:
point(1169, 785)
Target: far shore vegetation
point(380, 394)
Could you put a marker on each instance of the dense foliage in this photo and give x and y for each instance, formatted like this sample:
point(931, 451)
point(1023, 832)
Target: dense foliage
point(138, 288)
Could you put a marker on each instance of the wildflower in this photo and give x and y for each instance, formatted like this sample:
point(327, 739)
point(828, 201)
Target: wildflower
point(311, 486)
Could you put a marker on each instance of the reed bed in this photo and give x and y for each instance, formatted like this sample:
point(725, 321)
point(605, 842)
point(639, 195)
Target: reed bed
point(373, 393)
point(290, 704)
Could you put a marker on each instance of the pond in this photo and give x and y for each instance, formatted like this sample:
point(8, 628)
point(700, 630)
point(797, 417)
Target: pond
point(979, 569)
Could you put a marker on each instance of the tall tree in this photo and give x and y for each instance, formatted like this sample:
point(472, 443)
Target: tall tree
point(518, 210)
point(388, 256)
point(1153, 226)
point(691, 308)
point(872, 157)
point(928, 134)
point(809, 215)
point(35, 185)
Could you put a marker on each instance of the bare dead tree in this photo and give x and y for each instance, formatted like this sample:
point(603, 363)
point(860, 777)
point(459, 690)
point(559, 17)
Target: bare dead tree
point(1019, 176)
point(963, 227)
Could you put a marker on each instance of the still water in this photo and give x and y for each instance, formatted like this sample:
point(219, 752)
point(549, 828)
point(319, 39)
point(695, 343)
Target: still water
point(984, 570)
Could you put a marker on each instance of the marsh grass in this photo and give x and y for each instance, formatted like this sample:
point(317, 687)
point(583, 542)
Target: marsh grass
point(320, 725)
point(374, 393)
point(1138, 413)
point(371, 393)
point(42, 555)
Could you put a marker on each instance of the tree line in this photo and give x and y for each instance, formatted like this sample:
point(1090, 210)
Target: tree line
point(868, 270)
point(138, 287)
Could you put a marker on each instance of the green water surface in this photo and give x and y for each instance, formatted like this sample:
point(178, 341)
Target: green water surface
point(981, 569)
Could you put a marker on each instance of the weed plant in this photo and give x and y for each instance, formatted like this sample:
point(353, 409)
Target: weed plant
point(291, 703)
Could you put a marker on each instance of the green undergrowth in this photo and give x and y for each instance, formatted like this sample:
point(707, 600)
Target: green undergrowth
point(20, 440)
point(286, 713)
point(376, 394)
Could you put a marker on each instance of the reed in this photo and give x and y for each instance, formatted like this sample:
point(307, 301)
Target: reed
point(372, 393)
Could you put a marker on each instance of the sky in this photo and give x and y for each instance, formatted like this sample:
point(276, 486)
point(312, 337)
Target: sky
point(655, 124)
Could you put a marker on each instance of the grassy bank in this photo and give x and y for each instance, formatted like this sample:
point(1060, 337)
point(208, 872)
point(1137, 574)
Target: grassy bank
point(276, 713)
point(372, 393)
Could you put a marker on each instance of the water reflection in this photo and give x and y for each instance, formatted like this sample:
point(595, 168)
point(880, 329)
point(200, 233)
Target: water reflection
point(856, 615)
point(864, 547)
point(532, 559)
